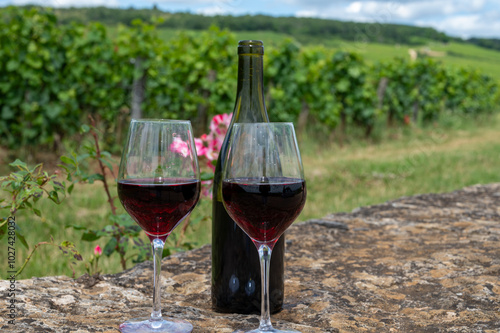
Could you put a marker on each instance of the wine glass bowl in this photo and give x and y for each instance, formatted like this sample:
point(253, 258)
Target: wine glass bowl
point(158, 206)
point(264, 207)
point(158, 185)
point(263, 190)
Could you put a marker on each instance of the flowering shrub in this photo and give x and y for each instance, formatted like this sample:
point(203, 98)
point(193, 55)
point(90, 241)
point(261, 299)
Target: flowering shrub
point(208, 148)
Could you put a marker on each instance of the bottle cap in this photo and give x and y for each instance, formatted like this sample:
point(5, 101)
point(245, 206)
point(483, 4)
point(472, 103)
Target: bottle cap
point(251, 47)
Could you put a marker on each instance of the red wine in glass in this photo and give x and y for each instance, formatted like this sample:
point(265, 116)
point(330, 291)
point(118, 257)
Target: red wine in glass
point(158, 207)
point(264, 207)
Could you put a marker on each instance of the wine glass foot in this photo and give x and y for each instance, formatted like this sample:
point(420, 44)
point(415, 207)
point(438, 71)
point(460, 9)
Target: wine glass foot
point(164, 325)
point(270, 330)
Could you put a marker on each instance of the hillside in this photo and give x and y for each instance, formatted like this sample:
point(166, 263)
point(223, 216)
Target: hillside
point(303, 29)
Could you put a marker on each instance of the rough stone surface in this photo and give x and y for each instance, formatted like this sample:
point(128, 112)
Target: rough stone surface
point(428, 263)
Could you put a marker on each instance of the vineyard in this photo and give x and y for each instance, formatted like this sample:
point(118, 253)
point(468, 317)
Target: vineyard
point(53, 76)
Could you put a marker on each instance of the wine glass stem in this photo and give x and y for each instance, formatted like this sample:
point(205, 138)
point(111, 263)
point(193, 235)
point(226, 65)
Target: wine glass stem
point(265, 259)
point(157, 245)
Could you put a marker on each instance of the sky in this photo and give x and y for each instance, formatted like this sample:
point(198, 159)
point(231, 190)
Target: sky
point(458, 18)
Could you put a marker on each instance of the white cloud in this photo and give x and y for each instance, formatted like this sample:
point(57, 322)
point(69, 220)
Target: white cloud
point(454, 17)
point(463, 22)
point(403, 11)
point(307, 13)
point(220, 7)
point(478, 4)
point(212, 11)
point(354, 7)
point(466, 26)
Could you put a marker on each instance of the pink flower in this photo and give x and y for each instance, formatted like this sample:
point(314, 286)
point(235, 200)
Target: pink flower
point(212, 150)
point(179, 146)
point(209, 145)
point(200, 147)
point(218, 129)
point(220, 123)
point(97, 250)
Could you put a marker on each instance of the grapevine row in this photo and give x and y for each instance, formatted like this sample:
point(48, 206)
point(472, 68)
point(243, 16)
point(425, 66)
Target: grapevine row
point(53, 76)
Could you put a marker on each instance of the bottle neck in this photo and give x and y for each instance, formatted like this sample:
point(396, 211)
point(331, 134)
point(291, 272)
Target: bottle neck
point(250, 104)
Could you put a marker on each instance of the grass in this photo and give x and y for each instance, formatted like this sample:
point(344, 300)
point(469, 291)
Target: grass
point(402, 162)
point(424, 161)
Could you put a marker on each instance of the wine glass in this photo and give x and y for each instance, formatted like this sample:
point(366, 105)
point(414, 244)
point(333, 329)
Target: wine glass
point(158, 185)
point(263, 190)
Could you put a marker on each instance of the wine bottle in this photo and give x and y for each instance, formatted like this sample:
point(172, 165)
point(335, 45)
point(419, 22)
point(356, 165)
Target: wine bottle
point(236, 280)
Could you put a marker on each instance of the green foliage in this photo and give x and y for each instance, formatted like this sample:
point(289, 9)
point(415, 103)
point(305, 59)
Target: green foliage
point(284, 79)
point(121, 228)
point(137, 49)
point(353, 89)
point(25, 188)
point(424, 88)
point(400, 89)
point(35, 103)
point(193, 78)
point(91, 72)
point(54, 76)
point(317, 88)
point(470, 92)
point(429, 84)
